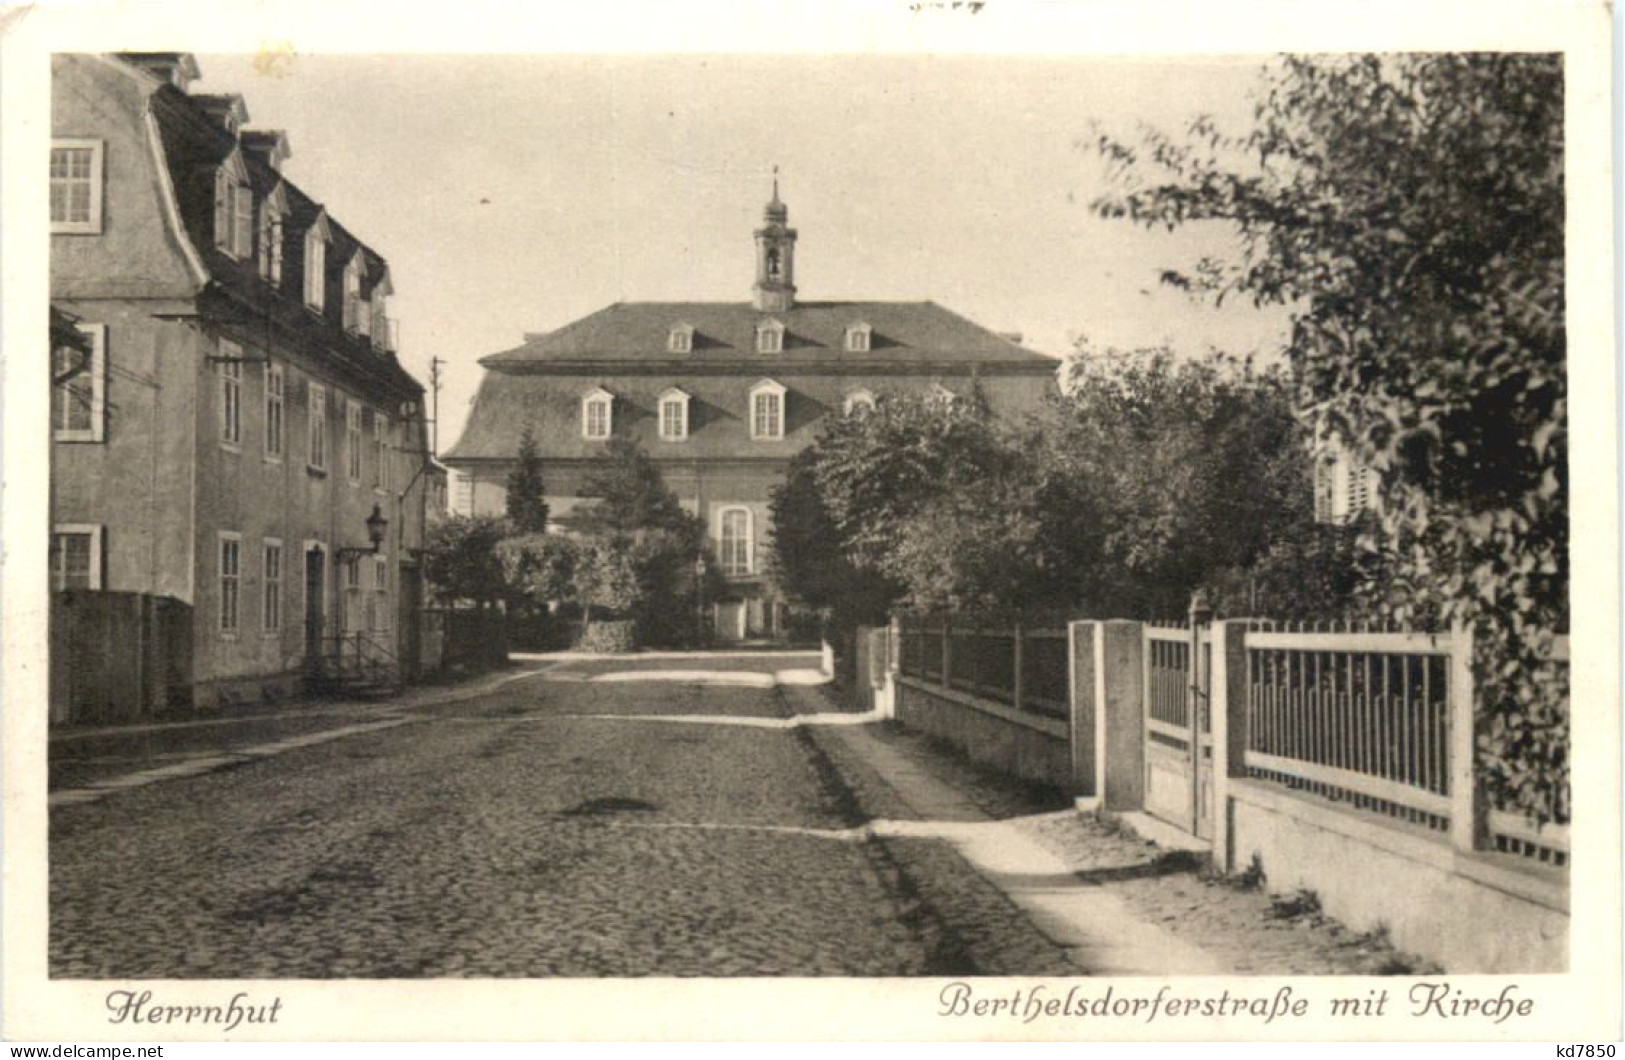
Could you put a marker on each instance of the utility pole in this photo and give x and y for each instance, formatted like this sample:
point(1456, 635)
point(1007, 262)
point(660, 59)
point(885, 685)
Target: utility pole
point(434, 423)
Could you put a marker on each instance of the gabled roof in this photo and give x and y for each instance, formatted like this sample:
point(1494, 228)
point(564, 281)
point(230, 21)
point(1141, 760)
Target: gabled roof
point(627, 333)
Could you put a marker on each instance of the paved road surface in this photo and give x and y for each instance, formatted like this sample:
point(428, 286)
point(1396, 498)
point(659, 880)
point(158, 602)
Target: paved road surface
point(564, 825)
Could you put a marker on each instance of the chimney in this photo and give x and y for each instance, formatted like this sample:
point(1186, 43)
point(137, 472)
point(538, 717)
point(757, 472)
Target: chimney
point(268, 145)
point(175, 68)
point(227, 112)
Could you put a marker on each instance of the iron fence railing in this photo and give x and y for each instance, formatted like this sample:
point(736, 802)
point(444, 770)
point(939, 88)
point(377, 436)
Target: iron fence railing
point(1016, 666)
point(1358, 717)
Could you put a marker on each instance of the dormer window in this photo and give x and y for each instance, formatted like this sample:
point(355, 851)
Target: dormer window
point(767, 411)
point(673, 416)
point(680, 340)
point(233, 209)
point(859, 403)
point(380, 311)
point(316, 264)
point(597, 415)
point(352, 293)
point(770, 337)
point(857, 338)
point(272, 211)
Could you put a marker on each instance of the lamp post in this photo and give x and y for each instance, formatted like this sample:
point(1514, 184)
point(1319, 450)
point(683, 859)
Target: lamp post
point(377, 527)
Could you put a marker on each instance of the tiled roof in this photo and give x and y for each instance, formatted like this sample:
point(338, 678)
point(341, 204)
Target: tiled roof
point(550, 404)
point(902, 333)
point(194, 147)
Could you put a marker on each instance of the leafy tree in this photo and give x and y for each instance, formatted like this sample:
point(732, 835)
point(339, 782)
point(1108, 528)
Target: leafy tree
point(809, 562)
point(460, 560)
point(606, 575)
point(632, 496)
point(1409, 210)
point(1153, 474)
point(977, 550)
point(875, 473)
point(527, 502)
point(538, 568)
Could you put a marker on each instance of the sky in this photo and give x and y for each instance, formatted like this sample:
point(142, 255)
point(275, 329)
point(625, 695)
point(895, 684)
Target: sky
point(516, 194)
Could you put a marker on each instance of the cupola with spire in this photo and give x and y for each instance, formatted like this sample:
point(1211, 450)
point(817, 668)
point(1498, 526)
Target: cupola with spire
point(775, 289)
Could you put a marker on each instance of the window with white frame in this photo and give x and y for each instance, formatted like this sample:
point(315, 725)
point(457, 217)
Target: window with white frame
point(315, 269)
point(354, 618)
point(384, 474)
point(680, 340)
point(767, 411)
point(378, 422)
point(352, 441)
point(76, 187)
point(79, 396)
point(317, 439)
point(76, 557)
point(233, 212)
point(276, 410)
point(270, 249)
point(378, 621)
point(859, 403)
point(231, 393)
point(231, 581)
point(380, 319)
point(857, 338)
point(597, 415)
point(271, 615)
point(734, 541)
point(462, 502)
point(673, 415)
point(770, 337)
point(352, 294)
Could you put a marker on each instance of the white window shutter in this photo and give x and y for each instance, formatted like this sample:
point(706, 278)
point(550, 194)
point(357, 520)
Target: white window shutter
point(222, 212)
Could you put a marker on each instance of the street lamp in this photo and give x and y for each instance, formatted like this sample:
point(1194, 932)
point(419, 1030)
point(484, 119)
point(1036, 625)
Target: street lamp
point(377, 525)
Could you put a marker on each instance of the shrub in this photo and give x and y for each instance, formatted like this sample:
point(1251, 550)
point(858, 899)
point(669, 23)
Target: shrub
point(607, 637)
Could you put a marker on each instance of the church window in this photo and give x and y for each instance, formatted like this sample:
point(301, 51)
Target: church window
point(770, 337)
point(673, 415)
point(596, 415)
point(767, 411)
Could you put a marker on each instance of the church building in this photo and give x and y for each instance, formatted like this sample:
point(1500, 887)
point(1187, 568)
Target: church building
point(722, 395)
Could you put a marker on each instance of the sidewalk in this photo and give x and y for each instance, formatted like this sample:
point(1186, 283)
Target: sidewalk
point(87, 764)
point(1051, 890)
point(992, 827)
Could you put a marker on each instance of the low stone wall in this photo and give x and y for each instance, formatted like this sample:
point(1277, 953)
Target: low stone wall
point(1021, 744)
point(1477, 913)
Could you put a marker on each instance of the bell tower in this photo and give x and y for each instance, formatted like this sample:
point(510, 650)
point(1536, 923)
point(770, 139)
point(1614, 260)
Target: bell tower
point(775, 288)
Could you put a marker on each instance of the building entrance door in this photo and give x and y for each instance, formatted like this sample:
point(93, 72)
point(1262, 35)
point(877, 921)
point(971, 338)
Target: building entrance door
point(730, 617)
point(315, 601)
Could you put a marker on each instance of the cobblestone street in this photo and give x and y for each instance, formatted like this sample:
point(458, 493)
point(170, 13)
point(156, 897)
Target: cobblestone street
point(602, 818)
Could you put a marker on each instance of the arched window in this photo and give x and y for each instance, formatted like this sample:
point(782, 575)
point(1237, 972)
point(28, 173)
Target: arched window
point(770, 337)
point(734, 541)
point(858, 403)
point(597, 420)
point(673, 415)
point(767, 411)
